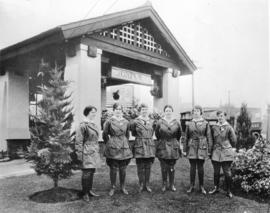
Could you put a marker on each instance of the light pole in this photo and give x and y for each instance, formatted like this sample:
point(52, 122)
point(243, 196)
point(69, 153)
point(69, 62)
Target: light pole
point(268, 121)
point(229, 103)
point(193, 89)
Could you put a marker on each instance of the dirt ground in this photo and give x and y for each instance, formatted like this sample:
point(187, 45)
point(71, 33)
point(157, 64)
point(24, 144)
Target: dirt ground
point(15, 192)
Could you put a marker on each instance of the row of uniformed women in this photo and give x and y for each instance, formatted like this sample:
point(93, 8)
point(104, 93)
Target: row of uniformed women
point(197, 147)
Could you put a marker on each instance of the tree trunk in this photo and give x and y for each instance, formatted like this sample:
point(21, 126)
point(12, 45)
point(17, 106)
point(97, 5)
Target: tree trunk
point(55, 181)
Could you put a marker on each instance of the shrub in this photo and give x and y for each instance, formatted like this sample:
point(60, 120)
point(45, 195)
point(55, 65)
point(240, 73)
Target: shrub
point(251, 169)
point(245, 143)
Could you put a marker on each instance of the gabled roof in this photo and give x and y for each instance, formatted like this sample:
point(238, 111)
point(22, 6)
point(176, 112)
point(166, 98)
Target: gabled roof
point(72, 30)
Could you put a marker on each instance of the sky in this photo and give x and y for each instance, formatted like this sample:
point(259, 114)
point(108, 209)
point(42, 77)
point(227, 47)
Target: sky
point(226, 39)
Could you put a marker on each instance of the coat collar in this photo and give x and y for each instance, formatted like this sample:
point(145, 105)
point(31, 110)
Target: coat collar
point(198, 120)
point(118, 123)
point(91, 125)
point(87, 120)
point(144, 119)
point(143, 122)
point(168, 123)
point(223, 124)
point(118, 119)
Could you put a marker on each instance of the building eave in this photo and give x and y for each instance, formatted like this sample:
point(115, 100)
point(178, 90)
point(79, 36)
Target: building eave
point(70, 31)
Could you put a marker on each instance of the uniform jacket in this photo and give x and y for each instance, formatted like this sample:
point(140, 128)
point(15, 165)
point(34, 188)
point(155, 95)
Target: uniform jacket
point(223, 140)
point(168, 135)
point(115, 136)
point(198, 143)
point(143, 130)
point(87, 146)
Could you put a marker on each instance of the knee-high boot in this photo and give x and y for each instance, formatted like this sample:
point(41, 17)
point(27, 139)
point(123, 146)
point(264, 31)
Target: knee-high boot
point(122, 178)
point(192, 174)
point(91, 178)
point(147, 177)
point(216, 166)
point(201, 178)
point(85, 184)
point(171, 178)
point(140, 172)
point(228, 180)
point(164, 174)
point(216, 183)
point(113, 174)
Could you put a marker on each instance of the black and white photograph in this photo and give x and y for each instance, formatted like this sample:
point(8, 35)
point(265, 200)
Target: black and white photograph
point(134, 106)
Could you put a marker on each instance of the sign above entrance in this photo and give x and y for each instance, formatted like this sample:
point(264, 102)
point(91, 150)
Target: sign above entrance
point(131, 76)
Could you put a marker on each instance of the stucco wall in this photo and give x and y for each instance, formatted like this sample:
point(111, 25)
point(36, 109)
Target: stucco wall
point(17, 106)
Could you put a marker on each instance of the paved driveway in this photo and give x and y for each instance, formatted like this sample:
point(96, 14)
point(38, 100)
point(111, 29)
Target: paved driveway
point(15, 168)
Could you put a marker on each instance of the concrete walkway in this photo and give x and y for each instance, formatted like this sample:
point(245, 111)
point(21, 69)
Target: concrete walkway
point(15, 168)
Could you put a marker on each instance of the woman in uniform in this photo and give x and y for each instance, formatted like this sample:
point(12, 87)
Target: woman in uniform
point(117, 150)
point(87, 150)
point(144, 146)
point(168, 132)
point(197, 146)
point(224, 141)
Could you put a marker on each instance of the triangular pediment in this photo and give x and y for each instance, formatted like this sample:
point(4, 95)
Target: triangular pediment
point(136, 35)
point(158, 38)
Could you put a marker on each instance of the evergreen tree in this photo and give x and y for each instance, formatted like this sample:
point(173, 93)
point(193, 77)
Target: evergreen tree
point(243, 122)
point(243, 128)
point(51, 143)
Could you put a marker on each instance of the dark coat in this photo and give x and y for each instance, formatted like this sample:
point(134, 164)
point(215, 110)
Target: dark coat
point(224, 140)
point(198, 143)
point(87, 146)
point(144, 146)
point(168, 135)
point(115, 136)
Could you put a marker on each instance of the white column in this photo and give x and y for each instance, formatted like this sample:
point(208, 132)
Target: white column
point(3, 112)
point(171, 93)
point(17, 106)
point(84, 72)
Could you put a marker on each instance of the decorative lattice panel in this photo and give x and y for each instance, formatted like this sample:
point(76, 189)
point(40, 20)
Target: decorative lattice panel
point(136, 35)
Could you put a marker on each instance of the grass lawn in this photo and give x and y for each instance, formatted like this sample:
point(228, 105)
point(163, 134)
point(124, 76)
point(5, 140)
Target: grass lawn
point(15, 192)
